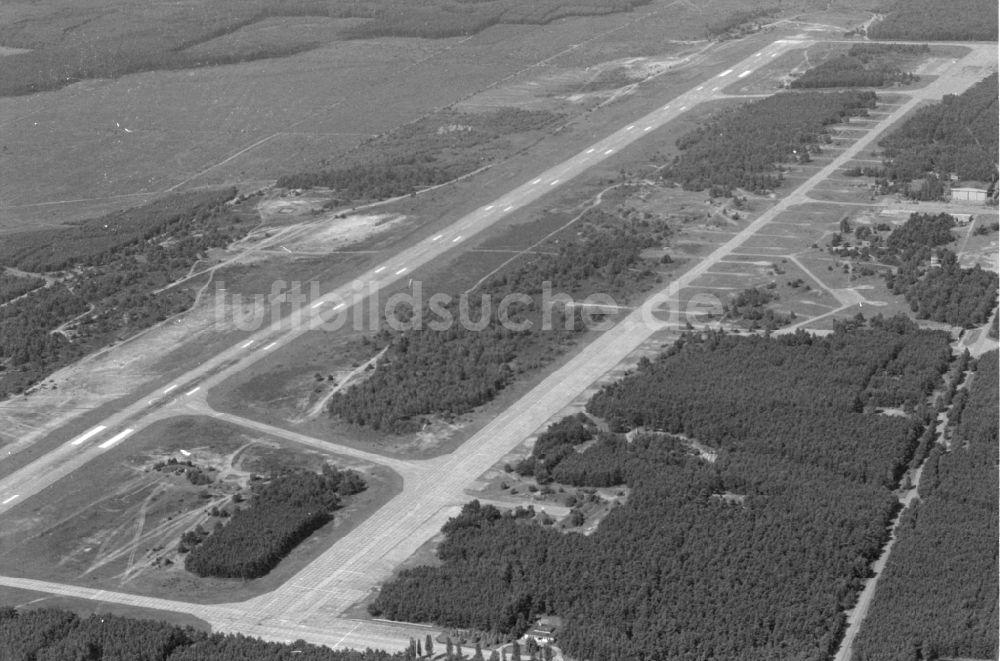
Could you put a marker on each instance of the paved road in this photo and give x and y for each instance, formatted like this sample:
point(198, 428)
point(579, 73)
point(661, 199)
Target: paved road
point(311, 603)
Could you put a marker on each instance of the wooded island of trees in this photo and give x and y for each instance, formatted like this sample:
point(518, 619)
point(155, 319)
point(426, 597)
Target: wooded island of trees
point(283, 511)
point(447, 371)
point(864, 65)
point(745, 147)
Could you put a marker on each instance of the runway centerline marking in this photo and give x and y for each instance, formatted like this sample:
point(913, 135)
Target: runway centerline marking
point(114, 439)
point(171, 388)
point(457, 239)
point(316, 305)
point(90, 434)
point(401, 271)
point(438, 237)
point(11, 499)
point(193, 391)
point(242, 346)
point(744, 74)
point(271, 345)
point(380, 269)
point(725, 73)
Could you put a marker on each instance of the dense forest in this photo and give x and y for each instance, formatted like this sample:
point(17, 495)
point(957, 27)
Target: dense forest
point(283, 511)
point(13, 285)
point(943, 291)
point(57, 635)
point(752, 305)
point(745, 147)
point(451, 361)
point(947, 292)
point(930, 20)
point(740, 21)
point(776, 533)
point(937, 597)
point(956, 136)
point(864, 65)
point(104, 274)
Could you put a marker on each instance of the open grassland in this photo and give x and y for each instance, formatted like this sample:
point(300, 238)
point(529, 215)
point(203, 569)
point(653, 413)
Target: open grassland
point(86, 148)
point(119, 522)
point(70, 42)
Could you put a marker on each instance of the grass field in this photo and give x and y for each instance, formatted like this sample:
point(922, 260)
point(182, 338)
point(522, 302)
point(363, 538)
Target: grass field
point(67, 153)
point(27, 599)
point(117, 524)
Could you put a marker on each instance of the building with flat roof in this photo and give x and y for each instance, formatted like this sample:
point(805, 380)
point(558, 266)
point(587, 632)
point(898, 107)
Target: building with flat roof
point(969, 192)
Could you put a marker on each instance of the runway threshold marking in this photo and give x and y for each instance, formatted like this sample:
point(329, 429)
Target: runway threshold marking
point(90, 434)
point(115, 439)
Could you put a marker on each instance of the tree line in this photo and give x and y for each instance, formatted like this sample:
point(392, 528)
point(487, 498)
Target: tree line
point(864, 65)
point(429, 371)
point(776, 533)
point(428, 152)
point(13, 285)
point(928, 20)
point(956, 136)
point(105, 272)
point(937, 596)
point(746, 147)
point(49, 634)
point(942, 291)
point(283, 511)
